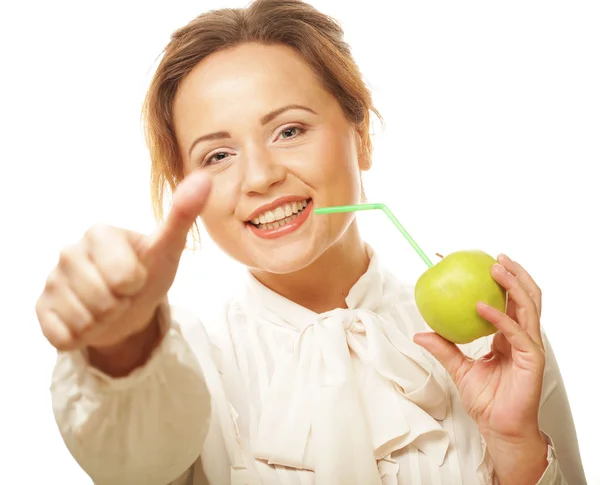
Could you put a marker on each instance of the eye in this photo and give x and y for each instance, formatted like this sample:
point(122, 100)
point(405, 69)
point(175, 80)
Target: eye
point(291, 132)
point(216, 158)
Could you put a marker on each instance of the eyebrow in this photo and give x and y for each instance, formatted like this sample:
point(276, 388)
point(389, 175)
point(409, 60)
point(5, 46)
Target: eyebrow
point(274, 114)
point(219, 135)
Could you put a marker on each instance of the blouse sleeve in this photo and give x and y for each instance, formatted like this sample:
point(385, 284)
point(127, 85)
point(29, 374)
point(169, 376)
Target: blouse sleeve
point(147, 428)
point(556, 422)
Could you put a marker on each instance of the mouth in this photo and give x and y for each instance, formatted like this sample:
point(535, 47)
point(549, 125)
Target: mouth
point(280, 216)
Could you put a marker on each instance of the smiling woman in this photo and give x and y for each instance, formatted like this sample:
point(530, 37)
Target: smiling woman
point(254, 118)
point(269, 133)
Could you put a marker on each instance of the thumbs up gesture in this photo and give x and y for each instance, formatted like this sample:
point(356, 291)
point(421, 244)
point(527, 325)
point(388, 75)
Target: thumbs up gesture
point(107, 287)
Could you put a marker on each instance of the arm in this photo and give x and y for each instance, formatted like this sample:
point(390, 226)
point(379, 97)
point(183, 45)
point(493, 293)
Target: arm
point(556, 421)
point(555, 457)
point(147, 427)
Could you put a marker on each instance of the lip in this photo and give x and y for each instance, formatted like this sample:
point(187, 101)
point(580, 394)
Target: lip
point(276, 203)
point(284, 230)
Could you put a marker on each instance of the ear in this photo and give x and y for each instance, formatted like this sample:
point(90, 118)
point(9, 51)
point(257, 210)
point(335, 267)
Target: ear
point(362, 149)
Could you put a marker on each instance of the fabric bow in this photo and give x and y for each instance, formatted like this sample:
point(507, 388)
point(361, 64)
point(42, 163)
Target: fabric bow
point(355, 389)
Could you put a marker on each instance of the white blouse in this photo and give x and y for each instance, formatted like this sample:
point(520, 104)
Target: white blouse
point(283, 395)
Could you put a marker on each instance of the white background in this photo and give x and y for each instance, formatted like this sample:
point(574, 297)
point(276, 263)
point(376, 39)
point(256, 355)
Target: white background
point(491, 142)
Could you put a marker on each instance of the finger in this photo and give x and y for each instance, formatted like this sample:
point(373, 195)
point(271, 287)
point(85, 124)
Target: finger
point(524, 278)
point(525, 308)
point(87, 283)
point(70, 311)
point(188, 202)
point(446, 353)
point(56, 331)
point(500, 346)
point(110, 250)
point(516, 336)
point(511, 309)
point(106, 325)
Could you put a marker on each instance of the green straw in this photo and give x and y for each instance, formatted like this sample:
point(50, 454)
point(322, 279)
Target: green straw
point(387, 212)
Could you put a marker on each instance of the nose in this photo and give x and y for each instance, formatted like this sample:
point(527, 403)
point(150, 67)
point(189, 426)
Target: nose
point(262, 172)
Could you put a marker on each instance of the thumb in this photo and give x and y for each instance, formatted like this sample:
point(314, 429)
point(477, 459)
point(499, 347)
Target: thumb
point(188, 201)
point(445, 352)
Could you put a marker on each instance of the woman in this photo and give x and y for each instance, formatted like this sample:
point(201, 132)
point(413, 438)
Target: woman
point(255, 117)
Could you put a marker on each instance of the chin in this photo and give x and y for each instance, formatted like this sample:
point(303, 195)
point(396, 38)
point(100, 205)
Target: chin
point(285, 259)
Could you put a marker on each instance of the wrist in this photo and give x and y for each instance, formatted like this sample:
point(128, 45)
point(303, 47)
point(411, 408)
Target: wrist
point(134, 351)
point(518, 460)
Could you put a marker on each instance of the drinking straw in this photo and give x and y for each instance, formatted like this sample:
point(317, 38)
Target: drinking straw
point(387, 212)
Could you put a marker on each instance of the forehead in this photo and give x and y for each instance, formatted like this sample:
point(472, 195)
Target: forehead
point(253, 78)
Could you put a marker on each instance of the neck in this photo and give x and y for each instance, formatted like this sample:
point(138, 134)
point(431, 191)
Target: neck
point(324, 284)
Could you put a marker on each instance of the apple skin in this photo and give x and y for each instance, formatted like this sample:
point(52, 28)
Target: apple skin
point(447, 293)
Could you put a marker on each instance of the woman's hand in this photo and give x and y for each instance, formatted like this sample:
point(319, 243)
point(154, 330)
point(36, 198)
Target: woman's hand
point(105, 289)
point(502, 390)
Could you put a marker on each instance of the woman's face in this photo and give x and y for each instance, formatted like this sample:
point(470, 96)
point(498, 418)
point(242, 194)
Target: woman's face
point(277, 145)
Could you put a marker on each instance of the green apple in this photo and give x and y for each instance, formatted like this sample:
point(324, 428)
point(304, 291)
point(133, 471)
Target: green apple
point(447, 293)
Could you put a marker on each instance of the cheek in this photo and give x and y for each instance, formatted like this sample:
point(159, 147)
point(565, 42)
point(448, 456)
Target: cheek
point(339, 162)
point(218, 213)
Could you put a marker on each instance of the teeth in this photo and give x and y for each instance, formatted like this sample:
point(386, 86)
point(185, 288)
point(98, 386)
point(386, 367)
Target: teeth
point(280, 213)
point(278, 224)
point(280, 216)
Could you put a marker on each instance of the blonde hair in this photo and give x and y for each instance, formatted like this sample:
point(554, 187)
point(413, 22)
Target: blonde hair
point(294, 23)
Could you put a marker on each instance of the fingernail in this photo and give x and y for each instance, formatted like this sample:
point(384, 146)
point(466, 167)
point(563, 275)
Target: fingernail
point(487, 308)
point(504, 256)
point(418, 336)
point(500, 267)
